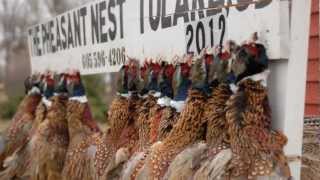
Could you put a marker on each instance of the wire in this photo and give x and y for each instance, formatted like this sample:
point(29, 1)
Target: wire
point(212, 8)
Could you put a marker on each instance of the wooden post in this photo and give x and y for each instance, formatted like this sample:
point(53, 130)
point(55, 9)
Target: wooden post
point(296, 81)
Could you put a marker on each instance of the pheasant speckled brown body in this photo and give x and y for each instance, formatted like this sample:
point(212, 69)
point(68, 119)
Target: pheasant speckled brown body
point(19, 162)
point(155, 118)
point(168, 119)
point(184, 133)
point(50, 143)
point(255, 146)
point(211, 162)
point(127, 143)
point(21, 125)
point(143, 122)
point(90, 157)
point(215, 115)
point(78, 132)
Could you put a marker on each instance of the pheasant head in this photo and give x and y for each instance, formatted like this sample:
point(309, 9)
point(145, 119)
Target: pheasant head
point(199, 75)
point(250, 59)
point(165, 80)
point(181, 82)
point(155, 69)
point(79, 113)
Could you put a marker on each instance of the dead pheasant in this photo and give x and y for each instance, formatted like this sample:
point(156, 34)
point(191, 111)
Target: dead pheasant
point(162, 115)
point(51, 139)
point(187, 129)
point(201, 155)
point(17, 165)
point(218, 154)
point(81, 126)
point(257, 149)
point(98, 153)
point(128, 142)
point(150, 121)
point(17, 133)
point(149, 73)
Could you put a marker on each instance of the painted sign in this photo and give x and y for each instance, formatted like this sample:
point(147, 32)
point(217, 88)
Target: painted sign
point(99, 36)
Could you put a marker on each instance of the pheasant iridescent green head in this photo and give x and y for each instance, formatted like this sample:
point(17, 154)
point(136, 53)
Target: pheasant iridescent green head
point(48, 85)
point(74, 85)
point(199, 75)
point(155, 69)
point(222, 62)
point(181, 81)
point(32, 84)
point(165, 80)
point(250, 59)
point(133, 76)
point(61, 84)
point(122, 80)
point(143, 75)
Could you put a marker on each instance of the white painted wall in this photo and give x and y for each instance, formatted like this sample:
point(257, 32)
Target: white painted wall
point(287, 84)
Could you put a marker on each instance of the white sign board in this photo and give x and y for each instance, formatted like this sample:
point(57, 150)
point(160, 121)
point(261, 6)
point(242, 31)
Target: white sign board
point(98, 36)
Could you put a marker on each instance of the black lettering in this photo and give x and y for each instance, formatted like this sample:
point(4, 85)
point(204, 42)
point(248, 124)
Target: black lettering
point(120, 3)
point(58, 38)
point(52, 46)
point(63, 31)
point(83, 13)
point(181, 11)
point(166, 21)
point(195, 9)
point(154, 19)
point(112, 19)
point(216, 7)
point(141, 16)
point(262, 4)
point(103, 35)
point(70, 33)
point(77, 33)
point(94, 24)
point(222, 26)
point(211, 33)
point(200, 29)
point(189, 30)
point(44, 38)
point(37, 40)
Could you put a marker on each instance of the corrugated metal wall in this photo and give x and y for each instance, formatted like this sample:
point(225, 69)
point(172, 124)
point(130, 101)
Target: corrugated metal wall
point(313, 81)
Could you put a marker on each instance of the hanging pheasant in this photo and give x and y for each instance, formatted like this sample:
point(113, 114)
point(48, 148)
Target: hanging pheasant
point(17, 133)
point(185, 165)
point(127, 143)
point(51, 139)
point(148, 74)
point(257, 149)
point(187, 129)
point(218, 154)
point(219, 74)
point(162, 114)
point(97, 151)
point(18, 165)
point(80, 126)
point(151, 121)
